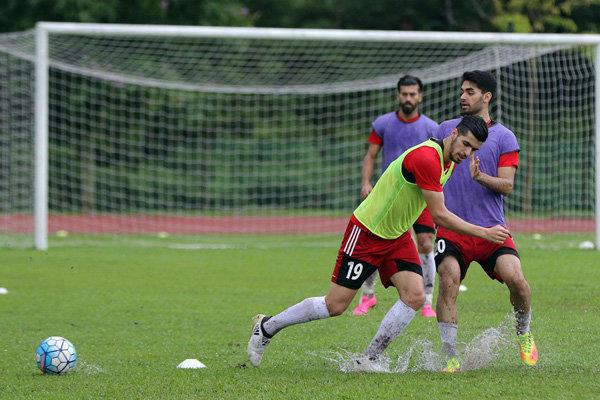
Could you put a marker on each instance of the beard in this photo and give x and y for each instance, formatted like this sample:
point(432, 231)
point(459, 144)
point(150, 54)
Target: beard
point(468, 111)
point(473, 109)
point(457, 160)
point(454, 156)
point(407, 108)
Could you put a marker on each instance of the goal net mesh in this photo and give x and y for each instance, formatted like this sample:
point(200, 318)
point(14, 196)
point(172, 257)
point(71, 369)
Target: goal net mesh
point(230, 135)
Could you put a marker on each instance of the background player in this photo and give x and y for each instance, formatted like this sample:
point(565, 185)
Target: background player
point(395, 132)
point(476, 194)
point(378, 237)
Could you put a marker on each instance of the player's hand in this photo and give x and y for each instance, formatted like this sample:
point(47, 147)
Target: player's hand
point(497, 234)
point(365, 190)
point(474, 167)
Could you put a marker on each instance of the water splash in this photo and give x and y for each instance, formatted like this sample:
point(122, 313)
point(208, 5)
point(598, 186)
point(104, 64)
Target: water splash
point(420, 356)
point(488, 345)
point(88, 368)
point(348, 362)
point(482, 350)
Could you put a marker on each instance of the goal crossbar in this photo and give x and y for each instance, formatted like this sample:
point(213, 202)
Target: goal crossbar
point(316, 34)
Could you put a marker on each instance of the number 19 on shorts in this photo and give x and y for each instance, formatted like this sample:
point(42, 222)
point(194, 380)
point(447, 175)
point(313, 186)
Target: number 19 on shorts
point(353, 272)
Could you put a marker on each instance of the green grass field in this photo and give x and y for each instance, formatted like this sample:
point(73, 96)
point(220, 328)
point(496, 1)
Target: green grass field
point(136, 307)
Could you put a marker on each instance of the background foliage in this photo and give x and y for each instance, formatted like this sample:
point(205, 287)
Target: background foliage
point(468, 15)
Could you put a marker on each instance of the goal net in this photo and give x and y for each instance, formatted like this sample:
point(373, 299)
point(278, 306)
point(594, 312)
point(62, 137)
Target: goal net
point(196, 131)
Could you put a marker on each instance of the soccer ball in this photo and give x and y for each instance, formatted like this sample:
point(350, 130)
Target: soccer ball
point(56, 355)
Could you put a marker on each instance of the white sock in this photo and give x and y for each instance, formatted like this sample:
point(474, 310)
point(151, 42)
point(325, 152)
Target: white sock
point(392, 325)
point(523, 320)
point(368, 287)
point(307, 310)
point(428, 266)
point(448, 333)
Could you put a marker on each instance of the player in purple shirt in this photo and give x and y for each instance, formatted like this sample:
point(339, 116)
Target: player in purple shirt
point(487, 178)
point(395, 132)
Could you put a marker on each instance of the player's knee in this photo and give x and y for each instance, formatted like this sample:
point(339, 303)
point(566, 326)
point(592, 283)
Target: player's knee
point(512, 275)
point(449, 274)
point(336, 308)
point(425, 243)
point(448, 283)
point(425, 247)
point(414, 299)
point(519, 285)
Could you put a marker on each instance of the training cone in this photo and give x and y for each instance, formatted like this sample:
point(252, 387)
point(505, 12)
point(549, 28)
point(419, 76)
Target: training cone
point(191, 363)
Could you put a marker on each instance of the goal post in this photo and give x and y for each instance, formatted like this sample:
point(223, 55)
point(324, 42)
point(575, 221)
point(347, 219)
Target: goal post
point(192, 130)
point(597, 143)
point(41, 140)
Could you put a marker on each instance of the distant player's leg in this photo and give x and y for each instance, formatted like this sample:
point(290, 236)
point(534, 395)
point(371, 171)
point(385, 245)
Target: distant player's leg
point(368, 299)
point(508, 268)
point(425, 242)
point(424, 228)
point(447, 313)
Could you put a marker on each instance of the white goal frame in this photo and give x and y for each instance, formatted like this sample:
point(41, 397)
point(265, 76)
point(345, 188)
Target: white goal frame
point(43, 29)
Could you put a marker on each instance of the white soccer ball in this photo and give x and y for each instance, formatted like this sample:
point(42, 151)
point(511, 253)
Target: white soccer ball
point(55, 355)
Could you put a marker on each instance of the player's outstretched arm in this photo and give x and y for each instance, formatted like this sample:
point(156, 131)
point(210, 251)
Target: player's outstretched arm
point(503, 183)
point(367, 169)
point(443, 217)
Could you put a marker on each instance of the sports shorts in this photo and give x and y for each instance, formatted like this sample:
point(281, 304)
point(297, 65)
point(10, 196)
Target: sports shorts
point(466, 249)
point(424, 224)
point(362, 252)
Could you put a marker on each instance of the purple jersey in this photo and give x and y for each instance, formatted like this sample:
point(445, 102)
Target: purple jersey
point(398, 135)
point(468, 199)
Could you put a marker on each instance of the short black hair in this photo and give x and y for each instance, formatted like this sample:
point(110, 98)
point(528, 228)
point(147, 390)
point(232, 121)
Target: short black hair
point(474, 124)
point(409, 80)
point(484, 80)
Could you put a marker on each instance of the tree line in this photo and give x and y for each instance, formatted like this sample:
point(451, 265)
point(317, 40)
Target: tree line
point(549, 16)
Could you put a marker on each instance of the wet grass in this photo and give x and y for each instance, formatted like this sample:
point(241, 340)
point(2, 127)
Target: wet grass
point(136, 307)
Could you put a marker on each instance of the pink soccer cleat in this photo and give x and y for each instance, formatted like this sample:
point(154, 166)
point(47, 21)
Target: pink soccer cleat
point(428, 312)
point(366, 303)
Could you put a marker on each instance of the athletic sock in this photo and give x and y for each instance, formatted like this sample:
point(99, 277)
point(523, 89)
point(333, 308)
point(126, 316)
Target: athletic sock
point(307, 310)
point(448, 333)
point(523, 320)
point(428, 266)
point(392, 325)
point(368, 287)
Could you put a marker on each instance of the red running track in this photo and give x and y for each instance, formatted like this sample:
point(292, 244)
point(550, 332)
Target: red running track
point(190, 225)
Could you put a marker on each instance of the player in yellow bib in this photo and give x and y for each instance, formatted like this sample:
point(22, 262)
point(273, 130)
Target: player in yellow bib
point(378, 238)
